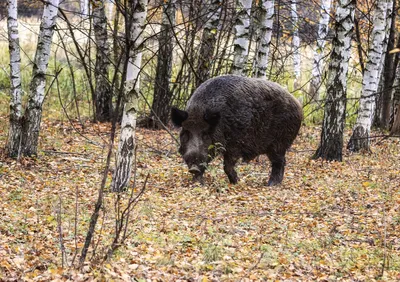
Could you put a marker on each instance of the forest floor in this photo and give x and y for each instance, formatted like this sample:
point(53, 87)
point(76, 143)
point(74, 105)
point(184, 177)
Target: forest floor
point(326, 222)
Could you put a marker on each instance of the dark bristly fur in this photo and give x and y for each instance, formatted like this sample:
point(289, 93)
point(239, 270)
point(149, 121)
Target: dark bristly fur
point(246, 117)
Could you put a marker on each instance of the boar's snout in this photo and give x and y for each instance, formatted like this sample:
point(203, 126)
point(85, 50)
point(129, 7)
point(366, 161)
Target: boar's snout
point(194, 169)
point(196, 163)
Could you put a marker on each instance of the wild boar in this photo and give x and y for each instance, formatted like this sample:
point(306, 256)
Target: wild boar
point(247, 117)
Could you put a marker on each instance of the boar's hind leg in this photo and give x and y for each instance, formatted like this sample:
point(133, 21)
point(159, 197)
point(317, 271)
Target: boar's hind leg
point(278, 163)
point(229, 168)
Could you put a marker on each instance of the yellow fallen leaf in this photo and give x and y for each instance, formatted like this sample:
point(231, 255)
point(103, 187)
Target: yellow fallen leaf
point(366, 184)
point(395, 50)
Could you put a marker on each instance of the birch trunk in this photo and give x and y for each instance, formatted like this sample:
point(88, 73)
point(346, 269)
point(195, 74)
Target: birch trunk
point(33, 113)
point(110, 10)
point(126, 145)
point(318, 64)
point(102, 93)
point(241, 42)
point(267, 10)
point(208, 41)
point(360, 137)
point(331, 143)
point(84, 5)
point(162, 93)
point(296, 43)
point(14, 133)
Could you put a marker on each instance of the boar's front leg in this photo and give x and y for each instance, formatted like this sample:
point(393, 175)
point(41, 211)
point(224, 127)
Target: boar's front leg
point(229, 168)
point(278, 163)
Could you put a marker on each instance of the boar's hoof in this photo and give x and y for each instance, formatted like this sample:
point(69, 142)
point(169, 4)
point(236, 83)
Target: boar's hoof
point(233, 179)
point(273, 182)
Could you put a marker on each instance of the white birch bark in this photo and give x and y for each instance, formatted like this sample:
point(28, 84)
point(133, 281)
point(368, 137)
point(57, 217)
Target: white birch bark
point(360, 137)
point(296, 41)
point(388, 21)
point(267, 11)
point(14, 132)
point(126, 145)
point(241, 42)
point(318, 64)
point(331, 143)
point(84, 5)
point(33, 112)
point(110, 10)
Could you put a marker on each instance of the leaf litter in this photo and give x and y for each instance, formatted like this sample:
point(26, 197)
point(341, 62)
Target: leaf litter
point(328, 221)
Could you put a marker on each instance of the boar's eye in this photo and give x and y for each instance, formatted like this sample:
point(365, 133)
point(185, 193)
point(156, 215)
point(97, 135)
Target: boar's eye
point(212, 117)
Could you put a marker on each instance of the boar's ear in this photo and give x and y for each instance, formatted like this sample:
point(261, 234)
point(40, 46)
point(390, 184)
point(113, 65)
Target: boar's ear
point(178, 116)
point(212, 117)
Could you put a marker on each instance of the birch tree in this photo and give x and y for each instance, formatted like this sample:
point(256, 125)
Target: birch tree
point(14, 132)
point(331, 142)
point(296, 41)
point(208, 41)
point(267, 10)
point(316, 73)
point(33, 113)
point(360, 137)
point(102, 93)
point(126, 145)
point(241, 41)
point(84, 5)
point(160, 107)
point(110, 10)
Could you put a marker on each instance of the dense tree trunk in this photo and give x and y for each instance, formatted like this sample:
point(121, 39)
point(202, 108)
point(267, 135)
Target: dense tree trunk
point(266, 22)
point(208, 41)
point(387, 75)
point(241, 42)
point(296, 43)
point(331, 143)
point(395, 114)
point(14, 133)
point(33, 113)
point(126, 145)
point(318, 63)
point(359, 44)
point(360, 137)
point(103, 97)
point(162, 96)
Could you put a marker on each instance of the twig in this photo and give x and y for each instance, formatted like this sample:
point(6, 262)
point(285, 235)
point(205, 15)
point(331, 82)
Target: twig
point(384, 262)
point(163, 125)
point(64, 153)
point(123, 221)
point(99, 202)
point(60, 233)
point(76, 225)
point(70, 120)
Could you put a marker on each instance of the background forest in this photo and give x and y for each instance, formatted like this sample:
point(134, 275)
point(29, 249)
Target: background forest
point(91, 181)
